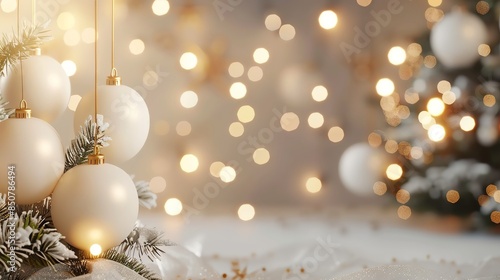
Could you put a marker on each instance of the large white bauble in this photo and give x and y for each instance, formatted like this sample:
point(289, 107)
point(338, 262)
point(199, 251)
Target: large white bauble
point(34, 147)
point(455, 39)
point(128, 117)
point(95, 204)
point(47, 88)
point(360, 167)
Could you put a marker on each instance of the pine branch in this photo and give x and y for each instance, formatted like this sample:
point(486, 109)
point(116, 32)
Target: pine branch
point(14, 48)
point(147, 198)
point(144, 241)
point(4, 112)
point(83, 145)
point(129, 262)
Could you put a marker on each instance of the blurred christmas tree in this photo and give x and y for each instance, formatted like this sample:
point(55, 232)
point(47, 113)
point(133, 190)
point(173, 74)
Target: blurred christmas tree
point(444, 127)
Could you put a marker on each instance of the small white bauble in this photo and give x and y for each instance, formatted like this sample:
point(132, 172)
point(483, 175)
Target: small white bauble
point(95, 204)
point(128, 117)
point(34, 148)
point(455, 39)
point(360, 167)
point(47, 88)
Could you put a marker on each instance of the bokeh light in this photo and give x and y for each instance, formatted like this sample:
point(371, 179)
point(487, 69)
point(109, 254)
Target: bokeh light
point(435, 106)
point(173, 206)
point(69, 67)
point(385, 87)
point(313, 185)
point(467, 123)
point(74, 100)
point(157, 184)
point(66, 20)
point(238, 90)
point(336, 134)
point(255, 73)
point(8, 6)
point(160, 7)
point(95, 249)
point(484, 50)
point(273, 22)
point(183, 128)
point(261, 55)
point(396, 55)
point(452, 196)
point(315, 120)
point(319, 93)
point(328, 19)
point(404, 212)
point(189, 99)
point(364, 3)
point(394, 172)
point(287, 32)
point(246, 212)
point(236, 69)
point(227, 174)
point(136, 46)
point(436, 132)
point(443, 86)
point(380, 188)
point(402, 196)
point(246, 114)
point(236, 129)
point(261, 156)
point(189, 163)
point(188, 61)
point(289, 121)
point(215, 168)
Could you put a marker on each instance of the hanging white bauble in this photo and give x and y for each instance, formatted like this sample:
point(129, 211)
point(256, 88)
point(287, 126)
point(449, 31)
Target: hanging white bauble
point(47, 88)
point(128, 117)
point(360, 167)
point(455, 39)
point(95, 204)
point(487, 132)
point(34, 148)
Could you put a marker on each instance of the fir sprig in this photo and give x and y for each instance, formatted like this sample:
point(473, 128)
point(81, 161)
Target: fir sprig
point(83, 145)
point(129, 262)
point(4, 112)
point(147, 198)
point(144, 242)
point(13, 48)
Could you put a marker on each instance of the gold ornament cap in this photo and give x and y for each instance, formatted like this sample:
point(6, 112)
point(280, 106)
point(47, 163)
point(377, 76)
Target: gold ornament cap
point(36, 52)
point(96, 158)
point(114, 79)
point(23, 112)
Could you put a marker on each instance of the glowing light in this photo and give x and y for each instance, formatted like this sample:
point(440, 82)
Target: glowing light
point(255, 73)
point(452, 196)
point(319, 93)
point(289, 121)
point(435, 106)
point(443, 86)
point(436, 132)
point(385, 87)
point(8, 6)
point(374, 139)
point(482, 7)
point(173, 206)
point(394, 172)
point(315, 120)
point(391, 146)
point(396, 55)
point(215, 168)
point(449, 97)
point(160, 7)
point(189, 99)
point(65, 21)
point(246, 212)
point(364, 3)
point(95, 249)
point(491, 189)
point(484, 50)
point(227, 174)
point(189, 163)
point(157, 184)
point(261, 156)
point(236, 69)
point(336, 134)
point(467, 123)
point(328, 19)
point(69, 67)
point(489, 100)
point(435, 3)
point(379, 188)
point(287, 32)
point(404, 212)
point(236, 129)
point(136, 46)
point(188, 61)
point(88, 35)
point(313, 185)
point(495, 217)
point(402, 196)
point(261, 55)
point(183, 128)
point(273, 22)
point(246, 114)
point(71, 37)
point(416, 152)
point(238, 90)
point(74, 100)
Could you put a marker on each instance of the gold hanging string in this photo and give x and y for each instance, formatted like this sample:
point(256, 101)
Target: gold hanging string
point(113, 78)
point(19, 37)
point(33, 12)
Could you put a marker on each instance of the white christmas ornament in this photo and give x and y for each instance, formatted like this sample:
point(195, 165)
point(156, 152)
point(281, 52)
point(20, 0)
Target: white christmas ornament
point(47, 88)
point(360, 167)
point(455, 39)
point(95, 204)
point(128, 117)
point(34, 151)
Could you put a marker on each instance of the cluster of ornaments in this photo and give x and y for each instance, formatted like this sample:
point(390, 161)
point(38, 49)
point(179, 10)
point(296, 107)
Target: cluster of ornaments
point(92, 204)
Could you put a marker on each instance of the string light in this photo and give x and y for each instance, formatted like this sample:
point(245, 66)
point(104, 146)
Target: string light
point(188, 61)
point(136, 46)
point(385, 87)
point(328, 19)
point(173, 206)
point(246, 212)
point(396, 55)
point(189, 163)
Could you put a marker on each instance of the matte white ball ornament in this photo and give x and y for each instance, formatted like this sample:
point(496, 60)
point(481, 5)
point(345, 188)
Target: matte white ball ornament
point(128, 117)
point(47, 87)
point(33, 146)
point(456, 38)
point(360, 167)
point(95, 204)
